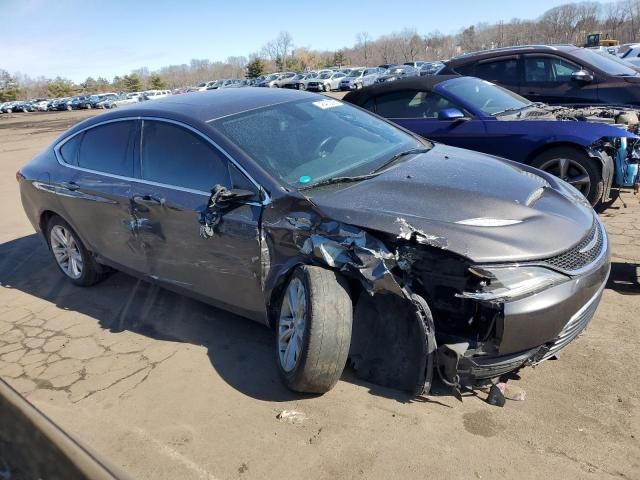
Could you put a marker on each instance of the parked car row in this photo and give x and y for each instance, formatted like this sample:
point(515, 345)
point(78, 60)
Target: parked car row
point(82, 102)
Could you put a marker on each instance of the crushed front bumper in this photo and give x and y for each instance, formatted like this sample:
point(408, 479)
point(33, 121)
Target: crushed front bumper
point(535, 328)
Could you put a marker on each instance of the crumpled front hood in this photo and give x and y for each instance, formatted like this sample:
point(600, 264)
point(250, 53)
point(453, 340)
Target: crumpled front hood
point(433, 192)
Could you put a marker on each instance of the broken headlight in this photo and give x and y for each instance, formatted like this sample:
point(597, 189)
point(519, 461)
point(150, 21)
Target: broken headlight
point(499, 284)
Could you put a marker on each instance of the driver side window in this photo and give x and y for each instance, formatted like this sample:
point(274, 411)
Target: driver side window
point(173, 155)
point(412, 104)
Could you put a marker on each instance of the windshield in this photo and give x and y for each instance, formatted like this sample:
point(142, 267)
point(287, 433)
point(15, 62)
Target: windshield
point(325, 75)
point(93, 98)
point(605, 62)
point(308, 141)
point(356, 73)
point(490, 99)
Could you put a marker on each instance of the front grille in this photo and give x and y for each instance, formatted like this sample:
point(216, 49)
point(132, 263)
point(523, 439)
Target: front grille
point(582, 255)
point(571, 330)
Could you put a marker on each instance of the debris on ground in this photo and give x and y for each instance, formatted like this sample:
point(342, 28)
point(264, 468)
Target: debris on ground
point(291, 416)
point(496, 395)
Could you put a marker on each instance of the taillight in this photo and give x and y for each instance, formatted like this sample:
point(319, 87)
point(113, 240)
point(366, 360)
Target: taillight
point(19, 176)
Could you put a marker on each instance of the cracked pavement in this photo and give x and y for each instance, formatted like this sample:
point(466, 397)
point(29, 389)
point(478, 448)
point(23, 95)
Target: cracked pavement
point(166, 387)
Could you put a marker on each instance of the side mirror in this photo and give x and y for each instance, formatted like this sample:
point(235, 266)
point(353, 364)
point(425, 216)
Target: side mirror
point(450, 114)
point(236, 195)
point(582, 76)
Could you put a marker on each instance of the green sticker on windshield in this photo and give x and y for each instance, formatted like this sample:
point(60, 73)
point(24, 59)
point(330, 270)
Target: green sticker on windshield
point(304, 179)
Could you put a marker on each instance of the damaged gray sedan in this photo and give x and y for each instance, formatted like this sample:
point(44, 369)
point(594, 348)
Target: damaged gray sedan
point(355, 240)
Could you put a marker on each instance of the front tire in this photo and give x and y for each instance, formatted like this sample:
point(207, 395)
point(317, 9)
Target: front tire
point(313, 330)
point(574, 167)
point(70, 254)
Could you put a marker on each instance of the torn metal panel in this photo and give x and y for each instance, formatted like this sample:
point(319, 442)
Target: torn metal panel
point(409, 232)
point(354, 250)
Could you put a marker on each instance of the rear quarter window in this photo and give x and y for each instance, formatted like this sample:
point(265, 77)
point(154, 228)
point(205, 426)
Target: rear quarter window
point(69, 151)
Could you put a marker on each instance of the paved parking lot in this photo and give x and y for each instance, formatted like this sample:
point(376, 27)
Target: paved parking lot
point(166, 387)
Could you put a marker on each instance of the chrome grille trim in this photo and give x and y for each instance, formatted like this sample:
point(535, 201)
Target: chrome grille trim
point(581, 256)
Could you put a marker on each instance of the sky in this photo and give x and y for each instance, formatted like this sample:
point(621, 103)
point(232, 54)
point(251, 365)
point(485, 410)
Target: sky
point(80, 38)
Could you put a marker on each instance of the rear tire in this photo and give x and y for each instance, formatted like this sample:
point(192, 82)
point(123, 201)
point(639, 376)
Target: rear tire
point(576, 168)
point(60, 236)
point(313, 330)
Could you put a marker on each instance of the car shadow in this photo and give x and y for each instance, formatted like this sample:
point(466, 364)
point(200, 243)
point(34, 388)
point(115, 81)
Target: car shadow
point(624, 278)
point(240, 350)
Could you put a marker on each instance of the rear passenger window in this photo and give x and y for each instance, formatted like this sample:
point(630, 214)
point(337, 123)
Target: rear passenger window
point(108, 148)
point(69, 151)
point(176, 156)
point(500, 71)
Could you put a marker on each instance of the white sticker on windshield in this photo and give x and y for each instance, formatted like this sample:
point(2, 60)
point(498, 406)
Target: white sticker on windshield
point(324, 104)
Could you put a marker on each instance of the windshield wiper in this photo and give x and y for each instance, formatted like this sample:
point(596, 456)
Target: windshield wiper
point(332, 180)
point(512, 109)
point(398, 156)
point(374, 173)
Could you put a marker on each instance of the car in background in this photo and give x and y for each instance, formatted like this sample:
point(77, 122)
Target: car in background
point(8, 107)
point(342, 232)
point(296, 82)
point(471, 113)
point(108, 101)
point(325, 82)
point(397, 72)
point(41, 105)
point(629, 51)
point(101, 100)
point(126, 99)
point(80, 103)
point(359, 78)
point(61, 104)
point(430, 68)
point(276, 79)
point(558, 75)
point(417, 65)
point(155, 94)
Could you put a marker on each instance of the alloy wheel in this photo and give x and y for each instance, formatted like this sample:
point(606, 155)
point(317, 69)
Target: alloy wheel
point(571, 171)
point(292, 325)
point(66, 251)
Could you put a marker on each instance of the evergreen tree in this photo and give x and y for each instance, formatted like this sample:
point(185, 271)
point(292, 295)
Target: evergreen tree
point(132, 83)
point(338, 58)
point(61, 87)
point(255, 68)
point(156, 82)
point(9, 87)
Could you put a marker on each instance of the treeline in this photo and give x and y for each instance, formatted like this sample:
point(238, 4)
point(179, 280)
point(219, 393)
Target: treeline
point(569, 23)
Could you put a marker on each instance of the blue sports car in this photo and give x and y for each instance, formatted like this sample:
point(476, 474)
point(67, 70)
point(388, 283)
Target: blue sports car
point(589, 147)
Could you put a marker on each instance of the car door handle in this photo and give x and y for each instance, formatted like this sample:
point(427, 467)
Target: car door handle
point(148, 200)
point(73, 186)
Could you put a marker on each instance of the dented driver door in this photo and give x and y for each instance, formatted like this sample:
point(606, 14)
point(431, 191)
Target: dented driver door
point(177, 168)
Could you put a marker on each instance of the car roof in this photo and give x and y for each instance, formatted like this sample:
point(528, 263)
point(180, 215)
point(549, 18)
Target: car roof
point(204, 106)
point(507, 50)
point(358, 97)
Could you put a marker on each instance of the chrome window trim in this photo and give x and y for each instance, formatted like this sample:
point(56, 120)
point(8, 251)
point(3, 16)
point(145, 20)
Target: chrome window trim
point(60, 144)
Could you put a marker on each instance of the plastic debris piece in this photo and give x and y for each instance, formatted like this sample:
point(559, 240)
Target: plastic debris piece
point(519, 396)
point(291, 416)
point(496, 395)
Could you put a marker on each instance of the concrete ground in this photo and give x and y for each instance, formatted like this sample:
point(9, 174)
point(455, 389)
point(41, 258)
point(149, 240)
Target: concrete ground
point(166, 387)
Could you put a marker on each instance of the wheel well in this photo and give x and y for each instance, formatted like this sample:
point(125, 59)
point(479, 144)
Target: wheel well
point(355, 289)
point(551, 146)
point(45, 217)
